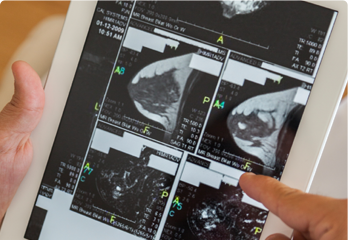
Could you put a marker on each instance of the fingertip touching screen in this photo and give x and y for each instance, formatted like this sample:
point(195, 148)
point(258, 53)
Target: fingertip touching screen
point(171, 103)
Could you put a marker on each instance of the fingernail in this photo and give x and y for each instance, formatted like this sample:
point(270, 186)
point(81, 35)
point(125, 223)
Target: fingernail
point(277, 236)
point(273, 236)
point(250, 173)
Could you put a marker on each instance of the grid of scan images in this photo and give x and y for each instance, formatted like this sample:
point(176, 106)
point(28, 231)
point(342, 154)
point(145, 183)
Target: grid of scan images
point(179, 107)
point(196, 98)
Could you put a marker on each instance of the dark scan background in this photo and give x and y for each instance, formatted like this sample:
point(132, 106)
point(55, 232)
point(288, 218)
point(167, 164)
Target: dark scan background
point(217, 124)
point(233, 219)
point(204, 85)
point(278, 25)
point(146, 193)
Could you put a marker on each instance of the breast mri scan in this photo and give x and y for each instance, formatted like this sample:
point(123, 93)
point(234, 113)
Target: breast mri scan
point(233, 8)
point(159, 90)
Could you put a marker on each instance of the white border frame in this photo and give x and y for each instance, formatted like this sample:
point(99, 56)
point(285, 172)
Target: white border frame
point(305, 152)
point(318, 116)
point(57, 89)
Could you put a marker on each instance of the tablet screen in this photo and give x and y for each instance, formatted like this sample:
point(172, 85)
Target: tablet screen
point(171, 103)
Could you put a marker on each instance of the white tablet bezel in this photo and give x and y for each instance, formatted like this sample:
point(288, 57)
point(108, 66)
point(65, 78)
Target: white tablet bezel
point(57, 89)
point(305, 152)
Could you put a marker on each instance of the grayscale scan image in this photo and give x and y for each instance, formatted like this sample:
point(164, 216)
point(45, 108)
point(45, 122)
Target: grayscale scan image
point(125, 191)
point(224, 217)
point(256, 115)
point(233, 8)
point(255, 124)
point(171, 103)
point(210, 211)
point(129, 186)
point(164, 97)
point(159, 90)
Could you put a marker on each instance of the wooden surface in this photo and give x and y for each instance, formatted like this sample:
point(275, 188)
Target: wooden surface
point(18, 18)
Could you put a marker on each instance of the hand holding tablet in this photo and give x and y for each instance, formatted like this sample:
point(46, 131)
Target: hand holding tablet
point(17, 120)
point(307, 214)
point(154, 113)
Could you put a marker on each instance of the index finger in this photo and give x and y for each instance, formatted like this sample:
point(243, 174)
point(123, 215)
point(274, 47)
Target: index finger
point(303, 212)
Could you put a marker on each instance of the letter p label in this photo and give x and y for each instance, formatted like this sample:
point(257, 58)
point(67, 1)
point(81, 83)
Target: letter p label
point(164, 194)
point(257, 230)
point(206, 100)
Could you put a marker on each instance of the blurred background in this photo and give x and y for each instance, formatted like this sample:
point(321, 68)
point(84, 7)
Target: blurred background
point(30, 31)
point(18, 18)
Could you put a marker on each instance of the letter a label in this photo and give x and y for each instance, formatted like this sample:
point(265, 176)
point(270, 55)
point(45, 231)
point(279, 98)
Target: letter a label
point(221, 40)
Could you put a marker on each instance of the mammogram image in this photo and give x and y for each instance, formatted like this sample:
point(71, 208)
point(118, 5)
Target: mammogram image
point(159, 90)
point(220, 216)
point(129, 186)
point(233, 8)
point(256, 123)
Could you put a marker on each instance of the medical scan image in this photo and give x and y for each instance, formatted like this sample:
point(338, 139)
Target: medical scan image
point(129, 186)
point(212, 218)
point(233, 8)
point(171, 102)
point(209, 213)
point(160, 89)
point(256, 123)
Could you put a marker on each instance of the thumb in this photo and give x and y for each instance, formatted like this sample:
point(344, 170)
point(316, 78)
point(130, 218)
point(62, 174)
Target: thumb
point(23, 113)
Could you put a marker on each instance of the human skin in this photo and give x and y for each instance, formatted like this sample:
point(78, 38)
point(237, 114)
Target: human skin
point(311, 216)
point(17, 120)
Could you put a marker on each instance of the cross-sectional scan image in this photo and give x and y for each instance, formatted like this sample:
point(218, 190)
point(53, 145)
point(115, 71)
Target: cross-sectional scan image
point(245, 19)
point(224, 217)
point(211, 219)
point(126, 191)
point(254, 119)
point(256, 123)
point(172, 101)
point(207, 213)
point(160, 90)
point(254, 27)
point(233, 8)
point(128, 186)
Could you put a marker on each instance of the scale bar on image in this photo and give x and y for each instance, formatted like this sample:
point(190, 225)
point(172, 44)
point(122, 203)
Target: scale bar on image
point(129, 144)
point(137, 39)
point(103, 141)
point(237, 72)
point(301, 96)
point(226, 170)
point(162, 165)
point(289, 73)
point(231, 181)
point(195, 175)
point(206, 65)
point(186, 40)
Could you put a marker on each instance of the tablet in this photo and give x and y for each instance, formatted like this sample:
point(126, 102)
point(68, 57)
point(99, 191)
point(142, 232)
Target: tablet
point(155, 109)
